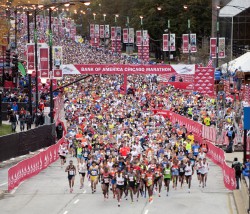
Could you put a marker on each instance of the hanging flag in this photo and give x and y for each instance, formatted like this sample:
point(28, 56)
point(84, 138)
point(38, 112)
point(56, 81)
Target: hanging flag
point(131, 36)
point(107, 35)
point(57, 54)
point(44, 62)
point(30, 56)
point(172, 42)
point(213, 42)
point(193, 43)
point(222, 47)
point(145, 38)
point(185, 43)
point(165, 42)
point(138, 38)
point(97, 32)
point(101, 31)
point(125, 35)
point(118, 31)
point(21, 69)
point(92, 30)
point(113, 33)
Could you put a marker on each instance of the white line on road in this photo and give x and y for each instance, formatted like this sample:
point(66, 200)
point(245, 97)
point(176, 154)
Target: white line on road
point(76, 201)
point(65, 212)
point(3, 184)
point(146, 212)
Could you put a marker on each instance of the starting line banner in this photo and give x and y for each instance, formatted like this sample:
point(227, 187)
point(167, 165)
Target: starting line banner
point(127, 69)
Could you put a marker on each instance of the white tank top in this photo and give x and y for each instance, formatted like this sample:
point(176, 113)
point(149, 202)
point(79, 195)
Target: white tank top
point(188, 170)
point(119, 180)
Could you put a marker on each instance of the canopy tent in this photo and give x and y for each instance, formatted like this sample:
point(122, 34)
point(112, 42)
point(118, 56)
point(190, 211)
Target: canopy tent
point(241, 63)
point(234, 7)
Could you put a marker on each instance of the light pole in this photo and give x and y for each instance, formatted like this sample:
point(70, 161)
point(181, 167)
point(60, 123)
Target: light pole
point(128, 44)
point(217, 37)
point(94, 14)
point(116, 16)
point(189, 43)
point(169, 50)
point(141, 17)
point(104, 21)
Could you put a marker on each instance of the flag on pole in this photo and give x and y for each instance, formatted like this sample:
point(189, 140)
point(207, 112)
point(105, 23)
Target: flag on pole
point(210, 62)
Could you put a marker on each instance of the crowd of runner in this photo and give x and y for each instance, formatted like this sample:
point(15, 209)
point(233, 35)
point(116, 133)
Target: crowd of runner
point(119, 143)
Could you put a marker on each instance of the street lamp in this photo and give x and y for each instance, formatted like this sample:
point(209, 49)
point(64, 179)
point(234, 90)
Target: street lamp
point(104, 20)
point(29, 72)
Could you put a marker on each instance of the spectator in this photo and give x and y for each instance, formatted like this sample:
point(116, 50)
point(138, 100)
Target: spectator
point(13, 121)
point(28, 119)
point(238, 170)
point(22, 119)
point(59, 131)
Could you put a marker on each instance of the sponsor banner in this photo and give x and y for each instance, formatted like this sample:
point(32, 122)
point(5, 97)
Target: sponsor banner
point(57, 56)
point(30, 56)
point(191, 125)
point(145, 38)
point(172, 42)
point(185, 43)
point(204, 80)
point(113, 33)
point(97, 32)
point(107, 34)
point(193, 45)
point(125, 35)
point(127, 69)
point(165, 42)
point(92, 30)
point(44, 62)
point(32, 166)
point(116, 46)
point(131, 35)
point(222, 47)
point(138, 38)
point(164, 113)
point(101, 31)
point(213, 42)
point(217, 155)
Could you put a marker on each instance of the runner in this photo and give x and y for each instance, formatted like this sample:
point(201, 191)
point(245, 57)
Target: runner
point(62, 154)
point(158, 178)
point(150, 183)
point(105, 180)
point(120, 179)
point(189, 171)
point(167, 176)
point(204, 170)
point(181, 172)
point(71, 170)
point(94, 174)
point(132, 182)
point(82, 169)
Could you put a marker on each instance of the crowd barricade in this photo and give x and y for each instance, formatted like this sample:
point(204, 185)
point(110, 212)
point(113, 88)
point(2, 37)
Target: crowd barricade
point(33, 165)
point(217, 155)
point(206, 134)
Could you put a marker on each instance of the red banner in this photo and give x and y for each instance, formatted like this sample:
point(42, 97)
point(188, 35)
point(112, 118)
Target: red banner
point(191, 125)
point(165, 42)
point(44, 62)
point(57, 73)
point(97, 32)
point(217, 155)
point(92, 30)
point(32, 166)
point(213, 51)
point(138, 38)
point(128, 69)
point(113, 33)
point(185, 43)
point(30, 56)
point(204, 80)
point(125, 35)
point(101, 31)
point(172, 42)
point(209, 133)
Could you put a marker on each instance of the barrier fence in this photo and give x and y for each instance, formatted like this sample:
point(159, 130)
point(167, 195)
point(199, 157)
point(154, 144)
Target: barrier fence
point(205, 134)
point(33, 165)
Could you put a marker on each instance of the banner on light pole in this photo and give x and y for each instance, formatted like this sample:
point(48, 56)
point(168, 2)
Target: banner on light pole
point(185, 43)
point(125, 35)
point(213, 48)
point(131, 35)
point(222, 47)
point(172, 42)
point(165, 42)
point(193, 44)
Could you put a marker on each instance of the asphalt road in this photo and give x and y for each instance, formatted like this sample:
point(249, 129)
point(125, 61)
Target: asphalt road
point(48, 193)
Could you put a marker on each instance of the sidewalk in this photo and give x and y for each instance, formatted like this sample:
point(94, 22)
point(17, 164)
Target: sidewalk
point(6, 122)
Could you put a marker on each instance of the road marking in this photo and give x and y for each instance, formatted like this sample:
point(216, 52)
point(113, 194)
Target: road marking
point(65, 212)
point(3, 184)
point(146, 212)
point(76, 201)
